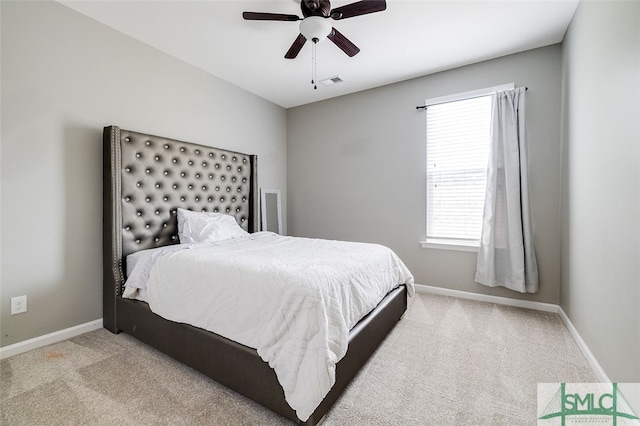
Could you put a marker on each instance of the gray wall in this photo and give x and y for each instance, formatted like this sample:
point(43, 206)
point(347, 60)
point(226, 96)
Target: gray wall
point(64, 77)
point(355, 164)
point(601, 183)
point(356, 168)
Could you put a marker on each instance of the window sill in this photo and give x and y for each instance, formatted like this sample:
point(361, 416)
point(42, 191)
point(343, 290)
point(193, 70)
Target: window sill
point(458, 245)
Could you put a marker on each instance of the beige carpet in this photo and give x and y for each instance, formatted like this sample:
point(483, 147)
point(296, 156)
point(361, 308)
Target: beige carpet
point(448, 362)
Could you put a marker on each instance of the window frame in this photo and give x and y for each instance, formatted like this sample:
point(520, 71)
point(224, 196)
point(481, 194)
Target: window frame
point(453, 244)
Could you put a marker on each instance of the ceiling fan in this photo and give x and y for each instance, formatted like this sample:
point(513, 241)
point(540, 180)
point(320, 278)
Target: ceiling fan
point(315, 25)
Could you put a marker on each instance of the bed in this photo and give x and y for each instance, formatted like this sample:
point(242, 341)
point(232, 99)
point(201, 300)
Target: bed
point(146, 180)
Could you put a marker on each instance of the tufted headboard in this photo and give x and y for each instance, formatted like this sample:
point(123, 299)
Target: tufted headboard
point(146, 178)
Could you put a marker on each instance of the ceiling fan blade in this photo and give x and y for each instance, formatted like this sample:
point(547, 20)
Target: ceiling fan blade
point(343, 43)
point(260, 16)
point(295, 47)
point(358, 8)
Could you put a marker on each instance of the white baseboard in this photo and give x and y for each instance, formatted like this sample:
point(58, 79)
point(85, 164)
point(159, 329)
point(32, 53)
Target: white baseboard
point(59, 336)
point(49, 339)
point(527, 304)
point(538, 306)
point(593, 362)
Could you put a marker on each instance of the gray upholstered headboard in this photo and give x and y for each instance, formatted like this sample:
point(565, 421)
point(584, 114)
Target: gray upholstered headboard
point(146, 178)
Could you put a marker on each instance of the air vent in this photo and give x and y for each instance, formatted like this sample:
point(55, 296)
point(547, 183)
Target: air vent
point(332, 80)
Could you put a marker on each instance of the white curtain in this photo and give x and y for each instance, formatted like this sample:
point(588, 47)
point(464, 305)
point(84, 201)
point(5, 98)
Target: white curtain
point(505, 256)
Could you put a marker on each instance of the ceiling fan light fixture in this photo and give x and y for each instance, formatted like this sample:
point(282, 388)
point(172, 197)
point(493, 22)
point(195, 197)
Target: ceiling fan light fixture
point(315, 28)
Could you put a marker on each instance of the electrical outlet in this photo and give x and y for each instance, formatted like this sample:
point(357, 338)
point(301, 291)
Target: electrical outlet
point(18, 305)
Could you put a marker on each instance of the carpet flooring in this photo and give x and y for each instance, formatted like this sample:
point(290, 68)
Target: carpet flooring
point(449, 361)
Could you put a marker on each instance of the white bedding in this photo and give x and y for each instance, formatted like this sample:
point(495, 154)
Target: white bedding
point(292, 299)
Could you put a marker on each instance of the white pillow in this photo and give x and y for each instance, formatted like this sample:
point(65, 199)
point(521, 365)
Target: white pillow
point(207, 227)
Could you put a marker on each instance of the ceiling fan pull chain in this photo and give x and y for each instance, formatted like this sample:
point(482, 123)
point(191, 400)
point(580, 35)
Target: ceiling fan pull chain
point(313, 63)
point(313, 56)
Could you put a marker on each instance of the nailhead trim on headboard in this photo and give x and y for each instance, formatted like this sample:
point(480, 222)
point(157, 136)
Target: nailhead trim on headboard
point(146, 178)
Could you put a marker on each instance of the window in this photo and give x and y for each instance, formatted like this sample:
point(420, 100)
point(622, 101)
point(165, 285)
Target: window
point(458, 138)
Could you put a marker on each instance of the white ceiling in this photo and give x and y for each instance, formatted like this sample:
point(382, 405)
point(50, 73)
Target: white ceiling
point(410, 39)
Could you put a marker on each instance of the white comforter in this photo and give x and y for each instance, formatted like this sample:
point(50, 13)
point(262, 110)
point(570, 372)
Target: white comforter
point(292, 299)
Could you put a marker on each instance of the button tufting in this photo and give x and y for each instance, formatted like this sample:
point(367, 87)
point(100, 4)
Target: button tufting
point(235, 174)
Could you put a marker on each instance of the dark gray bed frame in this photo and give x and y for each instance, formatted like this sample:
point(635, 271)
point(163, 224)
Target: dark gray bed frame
point(146, 178)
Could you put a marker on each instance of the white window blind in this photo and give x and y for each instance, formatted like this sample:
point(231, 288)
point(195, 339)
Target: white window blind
point(458, 136)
